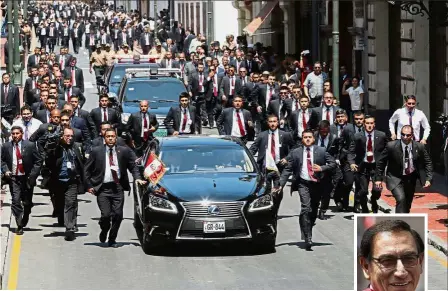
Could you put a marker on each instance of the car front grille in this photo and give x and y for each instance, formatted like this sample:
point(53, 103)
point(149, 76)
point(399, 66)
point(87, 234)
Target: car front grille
point(199, 234)
point(227, 209)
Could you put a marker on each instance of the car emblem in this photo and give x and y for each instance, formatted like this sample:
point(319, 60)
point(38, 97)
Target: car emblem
point(213, 210)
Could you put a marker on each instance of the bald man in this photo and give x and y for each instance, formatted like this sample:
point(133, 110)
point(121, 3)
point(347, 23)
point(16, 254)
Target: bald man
point(141, 125)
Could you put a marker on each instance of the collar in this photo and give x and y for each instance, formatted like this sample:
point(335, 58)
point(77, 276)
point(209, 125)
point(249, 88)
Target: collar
point(275, 132)
point(306, 148)
point(403, 145)
point(367, 134)
point(114, 148)
point(19, 143)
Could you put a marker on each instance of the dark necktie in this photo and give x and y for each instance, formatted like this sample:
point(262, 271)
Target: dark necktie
point(240, 123)
point(407, 170)
point(19, 168)
point(370, 149)
point(145, 126)
point(111, 164)
point(328, 113)
point(359, 129)
point(309, 164)
point(322, 142)
point(184, 122)
point(68, 95)
point(104, 114)
point(6, 94)
point(297, 104)
point(270, 95)
point(273, 145)
point(410, 118)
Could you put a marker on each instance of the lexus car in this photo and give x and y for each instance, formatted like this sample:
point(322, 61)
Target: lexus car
point(212, 190)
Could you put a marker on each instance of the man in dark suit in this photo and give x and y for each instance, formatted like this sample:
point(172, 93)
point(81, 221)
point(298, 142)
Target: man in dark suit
point(52, 33)
point(182, 119)
point(281, 108)
point(230, 86)
point(21, 164)
point(309, 165)
point(84, 114)
point(64, 58)
point(33, 60)
point(123, 38)
point(235, 121)
point(107, 179)
point(76, 36)
point(78, 135)
point(168, 62)
point(198, 87)
point(105, 113)
point(70, 91)
point(30, 84)
point(10, 95)
point(66, 164)
point(75, 74)
point(141, 125)
point(44, 114)
point(100, 141)
point(365, 149)
point(330, 142)
point(327, 111)
point(251, 65)
point(260, 99)
point(276, 144)
point(146, 41)
point(406, 161)
point(303, 119)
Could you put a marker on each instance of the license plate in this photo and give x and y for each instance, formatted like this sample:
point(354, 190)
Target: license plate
point(161, 132)
point(214, 227)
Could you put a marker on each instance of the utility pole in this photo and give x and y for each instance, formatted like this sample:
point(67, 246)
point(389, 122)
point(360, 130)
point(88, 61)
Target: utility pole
point(365, 60)
point(156, 26)
point(25, 10)
point(209, 21)
point(17, 61)
point(10, 32)
point(335, 77)
point(172, 10)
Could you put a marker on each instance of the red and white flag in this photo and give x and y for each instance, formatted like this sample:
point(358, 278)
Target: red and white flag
point(154, 169)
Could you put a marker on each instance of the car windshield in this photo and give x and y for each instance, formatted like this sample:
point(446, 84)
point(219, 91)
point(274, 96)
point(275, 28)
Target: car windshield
point(206, 158)
point(117, 73)
point(164, 92)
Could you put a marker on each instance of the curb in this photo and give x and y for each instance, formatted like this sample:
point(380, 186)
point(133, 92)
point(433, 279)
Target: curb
point(6, 218)
point(433, 240)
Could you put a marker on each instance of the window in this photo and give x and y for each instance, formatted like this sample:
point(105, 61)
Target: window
point(160, 92)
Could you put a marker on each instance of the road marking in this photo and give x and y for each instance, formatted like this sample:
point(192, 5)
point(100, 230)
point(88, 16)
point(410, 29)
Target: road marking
point(14, 265)
point(442, 260)
point(88, 85)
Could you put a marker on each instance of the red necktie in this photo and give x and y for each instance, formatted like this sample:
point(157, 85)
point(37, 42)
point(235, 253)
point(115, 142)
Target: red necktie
point(232, 87)
point(68, 96)
point(184, 122)
point(105, 114)
point(215, 87)
point(240, 123)
point(328, 114)
point(297, 104)
point(145, 126)
point(6, 94)
point(19, 168)
point(35, 84)
point(309, 165)
point(370, 149)
point(270, 95)
point(111, 164)
point(273, 145)
point(304, 125)
point(201, 79)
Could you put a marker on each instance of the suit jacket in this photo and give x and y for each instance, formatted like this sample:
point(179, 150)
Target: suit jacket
point(225, 121)
point(79, 77)
point(84, 114)
point(112, 116)
point(333, 144)
point(174, 64)
point(55, 32)
point(193, 85)
point(134, 126)
point(224, 87)
point(42, 115)
point(31, 159)
point(74, 91)
point(358, 145)
point(295, 160)
point(32, 62)
point(274, 108)
point(392, 157)
point(251, 66)
point(143, 39)
point(258, 97)
point(78, 34)
point(122, 40)
point(322, 111)
point(67, 60)
point(346, 139)
point(54, 161)
point(29, 96)
point(95, 167)
point(173, 120)
point(261, 143)
point(108, 39)
point(238, 64)
point(294, 121)
point(13, 98)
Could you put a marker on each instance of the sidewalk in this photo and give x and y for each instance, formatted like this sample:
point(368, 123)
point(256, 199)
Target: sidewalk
point(434, 203)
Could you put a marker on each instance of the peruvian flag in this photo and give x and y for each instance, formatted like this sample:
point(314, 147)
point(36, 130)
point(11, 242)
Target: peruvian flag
point(154, 169)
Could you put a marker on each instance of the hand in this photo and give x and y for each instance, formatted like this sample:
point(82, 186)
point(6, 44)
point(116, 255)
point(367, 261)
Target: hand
point(282, 122)
point(176, 133)
point(354, 168)
point(250, 123)
point(283, 161)
point(317, 168)
point(191, 94)
point(259, 109)
point(423, 141)
point(338, 162)
point(140, 182)
point(393, 136)
point(91, 191)
point(224, 98)
point(152, 129)
point(90, 71)
point(427, 184)
point(346, 82)
point(276, 190)
point(8, 174)
point(379, 184)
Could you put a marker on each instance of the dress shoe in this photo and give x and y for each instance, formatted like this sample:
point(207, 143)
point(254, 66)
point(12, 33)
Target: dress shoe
point(309, 244)
point(19, 230)
point(103, 236)
point(112, 244)
point(322, 215)
point(75, 229)
point(340, 206)
point(69, 235)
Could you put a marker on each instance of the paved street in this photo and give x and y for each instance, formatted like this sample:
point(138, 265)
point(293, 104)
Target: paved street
point(42, 259)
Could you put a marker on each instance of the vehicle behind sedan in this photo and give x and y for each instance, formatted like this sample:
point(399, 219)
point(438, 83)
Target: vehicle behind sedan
point(212, 191)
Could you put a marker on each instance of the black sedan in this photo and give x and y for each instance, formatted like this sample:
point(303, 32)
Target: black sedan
point(212, 191)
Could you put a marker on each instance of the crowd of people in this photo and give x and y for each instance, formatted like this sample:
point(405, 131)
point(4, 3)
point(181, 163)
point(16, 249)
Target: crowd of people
point(284, 104)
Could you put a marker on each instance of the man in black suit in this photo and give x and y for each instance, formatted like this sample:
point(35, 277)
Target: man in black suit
point(260, 98)
point(21, 164)
point(229, 87)
point(75, 74)
point(123, 38)
point(78, 136)
point(327, 111)
point(107, 179)
point(76, 36)
point(44, 114)
point(100, 141)
point(30, 84)
point(84, 114)
point(406, 161)
point(235, 121)
point(105, 113)
point(273, 146)
point(302, 119)
point(310, 166)
point(182, 119)
point(10, 95)
point(199, 85)
point(33, 60)
point(146, 41)
point(66, 164)
point(365, 149)
point(64, 58)
point(141, 125)
point(70, 91)
point(281, 108)
point(52, 33)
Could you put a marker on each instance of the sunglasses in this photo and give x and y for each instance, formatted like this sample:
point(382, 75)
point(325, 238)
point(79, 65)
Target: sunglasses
point(406, 135)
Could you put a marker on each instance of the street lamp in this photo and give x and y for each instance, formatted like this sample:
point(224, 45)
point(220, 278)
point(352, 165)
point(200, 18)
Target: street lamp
point(17, 60)
point(209, 22)
point(10, 43)
point(156, 27)
point(335, 77)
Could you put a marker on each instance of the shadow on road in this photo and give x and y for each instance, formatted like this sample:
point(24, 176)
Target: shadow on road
point(104, 245)
point(62, 233)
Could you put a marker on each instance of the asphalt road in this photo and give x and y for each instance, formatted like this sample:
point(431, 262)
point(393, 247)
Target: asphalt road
point(42, 259)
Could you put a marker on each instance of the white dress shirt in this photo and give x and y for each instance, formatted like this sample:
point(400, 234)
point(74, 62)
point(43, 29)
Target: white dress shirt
point(102, 114)
point(324, 113)
point(418, 119)
point(373, 145)
point(304, 171)
point(235, 127)
point(145, 116)
point(300, 119)
point(108, 173)
point(326, 140)
point(268, 90)
point(14, 158)
point(403, 147)
point(189, 121)
point(277, 145)
point(31, 127)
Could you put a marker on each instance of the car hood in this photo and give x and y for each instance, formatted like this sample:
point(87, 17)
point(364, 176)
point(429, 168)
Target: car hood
point(217, 187)
point(134, 107)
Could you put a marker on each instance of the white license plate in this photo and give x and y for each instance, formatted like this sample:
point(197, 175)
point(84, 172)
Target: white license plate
point(214, 227)
point(161, 132)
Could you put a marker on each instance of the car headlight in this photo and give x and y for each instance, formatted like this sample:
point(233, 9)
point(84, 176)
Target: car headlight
point(160, 204)
point(125, 117)
point(264, 202)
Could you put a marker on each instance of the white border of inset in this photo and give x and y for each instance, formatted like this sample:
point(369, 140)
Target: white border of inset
point(391, 216)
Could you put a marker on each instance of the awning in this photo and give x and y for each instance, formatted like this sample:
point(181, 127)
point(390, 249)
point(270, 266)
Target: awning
point(262, 15)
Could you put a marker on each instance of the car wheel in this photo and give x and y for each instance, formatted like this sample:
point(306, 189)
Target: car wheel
point(138, 224)
point(148, 245)
point(266, 246)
